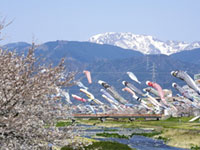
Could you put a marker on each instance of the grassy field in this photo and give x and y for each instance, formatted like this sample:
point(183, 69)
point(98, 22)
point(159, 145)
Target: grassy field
point(102, 145)
point(176, 132)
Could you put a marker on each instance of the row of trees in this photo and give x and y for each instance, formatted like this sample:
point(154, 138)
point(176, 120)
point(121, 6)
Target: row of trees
point(29, 102)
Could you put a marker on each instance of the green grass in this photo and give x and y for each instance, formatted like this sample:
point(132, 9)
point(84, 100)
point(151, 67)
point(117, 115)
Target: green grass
point(93, 119)
point(195, 147)
point(102, 145)
point(113, 135)
point(63, 124)
point(116, 135)
point(108, 145)
point(152, 134)
point(163, 138)
point(108, 129)
point(178, 119)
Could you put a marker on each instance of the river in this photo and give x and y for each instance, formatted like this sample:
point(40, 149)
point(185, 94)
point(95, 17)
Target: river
point(136, 141)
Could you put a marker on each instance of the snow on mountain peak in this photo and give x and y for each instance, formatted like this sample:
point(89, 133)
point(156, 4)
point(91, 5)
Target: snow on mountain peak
point(144, 43)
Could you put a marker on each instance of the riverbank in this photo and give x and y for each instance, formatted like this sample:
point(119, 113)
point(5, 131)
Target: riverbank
point(176, 132)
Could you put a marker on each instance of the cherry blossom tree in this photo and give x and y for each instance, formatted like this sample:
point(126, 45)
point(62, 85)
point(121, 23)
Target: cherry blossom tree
point(30, 95)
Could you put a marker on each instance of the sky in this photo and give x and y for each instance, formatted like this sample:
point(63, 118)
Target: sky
point(78, 20)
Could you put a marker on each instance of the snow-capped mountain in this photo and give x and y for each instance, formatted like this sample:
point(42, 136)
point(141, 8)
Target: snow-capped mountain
point(143, 43)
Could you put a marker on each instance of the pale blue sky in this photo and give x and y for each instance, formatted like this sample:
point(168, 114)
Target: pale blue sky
point(49, 20)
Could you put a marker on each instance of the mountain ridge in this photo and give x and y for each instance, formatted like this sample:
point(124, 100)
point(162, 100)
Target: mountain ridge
point(145, 44)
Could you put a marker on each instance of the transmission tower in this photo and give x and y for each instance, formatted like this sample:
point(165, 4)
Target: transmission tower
point(147, 64)
point(154, 72)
